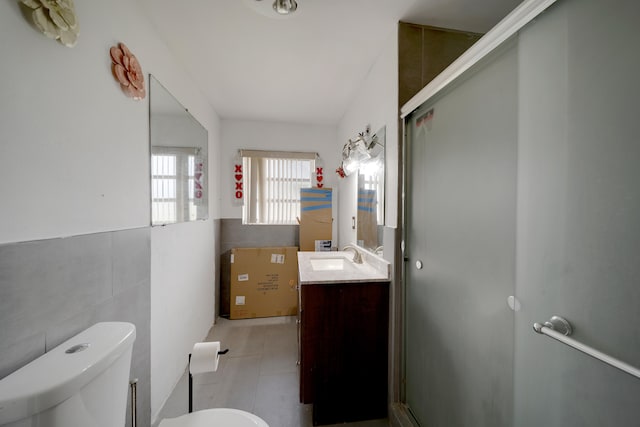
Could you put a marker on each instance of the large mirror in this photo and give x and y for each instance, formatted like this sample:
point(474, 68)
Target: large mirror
point(370, 196)
point(178, 160)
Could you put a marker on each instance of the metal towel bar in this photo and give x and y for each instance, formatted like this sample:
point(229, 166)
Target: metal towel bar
point(559, 328)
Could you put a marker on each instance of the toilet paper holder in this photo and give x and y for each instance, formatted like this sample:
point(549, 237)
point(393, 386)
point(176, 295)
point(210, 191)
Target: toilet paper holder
point(220, 353)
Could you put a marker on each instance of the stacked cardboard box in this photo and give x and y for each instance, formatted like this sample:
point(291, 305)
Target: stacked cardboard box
point(315, 219)
point(264, 282)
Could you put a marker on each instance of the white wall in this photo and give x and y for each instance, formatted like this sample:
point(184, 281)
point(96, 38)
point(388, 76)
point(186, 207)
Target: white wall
point(375, 104)
point(245, 134)
point(74, 159)
point(182, 300)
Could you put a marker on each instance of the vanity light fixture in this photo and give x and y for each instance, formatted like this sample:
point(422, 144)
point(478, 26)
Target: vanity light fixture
point(359, 151)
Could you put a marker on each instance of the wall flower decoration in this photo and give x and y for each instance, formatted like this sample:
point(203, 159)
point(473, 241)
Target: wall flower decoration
point(56, 19)
point(127, 71)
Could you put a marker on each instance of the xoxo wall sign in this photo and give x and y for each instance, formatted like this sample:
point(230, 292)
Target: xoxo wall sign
point(238, 176)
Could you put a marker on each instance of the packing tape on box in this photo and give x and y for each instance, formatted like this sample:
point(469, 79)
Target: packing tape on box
point(205, 357)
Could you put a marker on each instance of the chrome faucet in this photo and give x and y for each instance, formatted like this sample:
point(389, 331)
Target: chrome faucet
point(357, 256)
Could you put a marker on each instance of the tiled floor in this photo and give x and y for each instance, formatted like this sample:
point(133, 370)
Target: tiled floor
point(259, 375)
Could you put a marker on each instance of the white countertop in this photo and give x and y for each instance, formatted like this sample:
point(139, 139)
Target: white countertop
point(373, 268)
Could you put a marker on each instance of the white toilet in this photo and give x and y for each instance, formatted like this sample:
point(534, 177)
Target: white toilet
point(84, 383)
point(223, 417)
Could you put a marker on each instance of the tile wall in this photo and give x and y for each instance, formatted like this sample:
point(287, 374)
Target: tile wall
point(52, 289)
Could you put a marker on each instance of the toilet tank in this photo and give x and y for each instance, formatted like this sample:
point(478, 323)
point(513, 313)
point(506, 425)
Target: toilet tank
point(83, 382)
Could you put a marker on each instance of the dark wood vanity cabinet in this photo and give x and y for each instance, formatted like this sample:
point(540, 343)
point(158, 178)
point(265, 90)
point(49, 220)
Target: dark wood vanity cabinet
point(343, 344)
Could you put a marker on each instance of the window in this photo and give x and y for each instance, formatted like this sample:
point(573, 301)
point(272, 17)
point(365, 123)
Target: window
point(273, 180)
point(175, 193)
point(372, 182)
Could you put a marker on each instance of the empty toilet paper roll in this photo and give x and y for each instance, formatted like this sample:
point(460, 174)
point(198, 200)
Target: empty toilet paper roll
point(204, 357)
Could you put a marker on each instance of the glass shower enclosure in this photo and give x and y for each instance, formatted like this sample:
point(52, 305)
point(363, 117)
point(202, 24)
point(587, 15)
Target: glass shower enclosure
point(522, 201)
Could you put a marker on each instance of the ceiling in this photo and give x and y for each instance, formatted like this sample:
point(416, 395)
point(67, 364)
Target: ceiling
point(305, 68)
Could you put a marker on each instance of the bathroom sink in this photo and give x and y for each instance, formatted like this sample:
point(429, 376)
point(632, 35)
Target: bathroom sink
point(330, 264)
point(338, 267)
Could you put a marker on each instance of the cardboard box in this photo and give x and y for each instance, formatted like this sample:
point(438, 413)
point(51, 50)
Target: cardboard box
point(264, 282)
point(315, 219)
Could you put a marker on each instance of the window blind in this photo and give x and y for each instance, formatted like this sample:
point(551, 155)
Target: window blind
point(273, 193)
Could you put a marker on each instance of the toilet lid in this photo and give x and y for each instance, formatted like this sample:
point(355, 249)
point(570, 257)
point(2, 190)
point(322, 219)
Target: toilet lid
point(223, 417)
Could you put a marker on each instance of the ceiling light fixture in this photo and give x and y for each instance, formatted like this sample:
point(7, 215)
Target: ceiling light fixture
point(285, 7)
